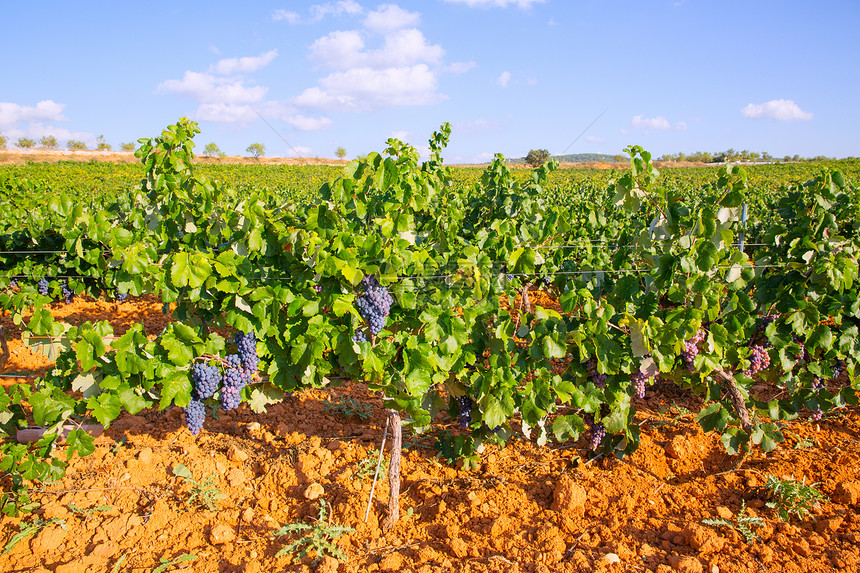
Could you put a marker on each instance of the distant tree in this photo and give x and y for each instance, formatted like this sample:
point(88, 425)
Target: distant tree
point(49, 142)
point(537, 157)
point(25, 143)
point(127, 146)
point(102, 144)
point(212, 150)
point(341, 152)
point(75, 145)
point(2, 141)
point(618, 158)
point(256, 150)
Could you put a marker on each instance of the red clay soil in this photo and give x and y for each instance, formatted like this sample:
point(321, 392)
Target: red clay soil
point(525, 509)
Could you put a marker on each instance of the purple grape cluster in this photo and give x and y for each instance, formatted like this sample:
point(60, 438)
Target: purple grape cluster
point(802, 354)
point(374, 304)
point(235, 378)
point(119, 296)
point(360, 336)
point(691, 349)
point(205, 379)
point(68, 293)
point(42, 285)
point(246, 346)
point(13, 283)
point(598, 379)
point(759, 359)
point(598, 432)
point(195, 414)
point(465, 404)
point(817, 386)
point(837, 369)
point(764, 321)
point(639, 379)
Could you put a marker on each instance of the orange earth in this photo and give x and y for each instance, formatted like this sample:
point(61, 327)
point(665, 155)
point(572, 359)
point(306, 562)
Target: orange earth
point(525, 509)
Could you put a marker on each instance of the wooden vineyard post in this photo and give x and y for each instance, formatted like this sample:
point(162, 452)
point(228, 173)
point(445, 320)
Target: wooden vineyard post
point(4, 357)
point(394, 470)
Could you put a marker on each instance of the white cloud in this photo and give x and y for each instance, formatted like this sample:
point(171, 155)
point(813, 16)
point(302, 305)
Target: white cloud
point(319, 12)
point(593, 139)
point(304, 123)
point(226, 113)
point(299, 151)
point(46, 110)
point(504, 79)
point(400, 135)
point(209, 88)
point(345, 50)
point(362, 89)
point(371, 72)
point(779, 109)
point(524, 4)
point(243, 65)
point(460, 67)
point(659, 122)
point(224, 94)
point(291, 17)
point(390, 17)
point(37, 131)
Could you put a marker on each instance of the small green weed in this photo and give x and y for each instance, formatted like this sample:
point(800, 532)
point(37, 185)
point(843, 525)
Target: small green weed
point(202, 494)
point(169, 563)
point(318, 538)
point(348, 408)
point(366, 467)
point(742, 523)
point(802, 443)
point(791, 497)
point(87, 512)
point(25, 530)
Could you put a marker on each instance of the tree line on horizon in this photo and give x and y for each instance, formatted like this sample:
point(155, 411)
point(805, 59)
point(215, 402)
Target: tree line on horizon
point(535, 157)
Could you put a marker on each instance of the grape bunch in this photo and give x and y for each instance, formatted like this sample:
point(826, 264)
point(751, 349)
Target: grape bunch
point(638, 379)
point(205, 379)
point(465, 417)
point(759, 359)
point(119, 296)
point(235, 378)
point(837, 369)
point(599, 379)
point(817, 386)
point(360, 336)
point(598, 432)
point(68, 293)
point(13, 283)
point(764, 321)
point(374, 304)
point(42, 285)
point(691, 349)
point(195, 414)
point(246, 346)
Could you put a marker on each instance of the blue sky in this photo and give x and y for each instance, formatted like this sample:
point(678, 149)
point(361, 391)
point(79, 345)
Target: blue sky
point(780, 76)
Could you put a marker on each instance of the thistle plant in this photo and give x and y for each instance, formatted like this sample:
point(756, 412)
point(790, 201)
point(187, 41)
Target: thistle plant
point(791, 497)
